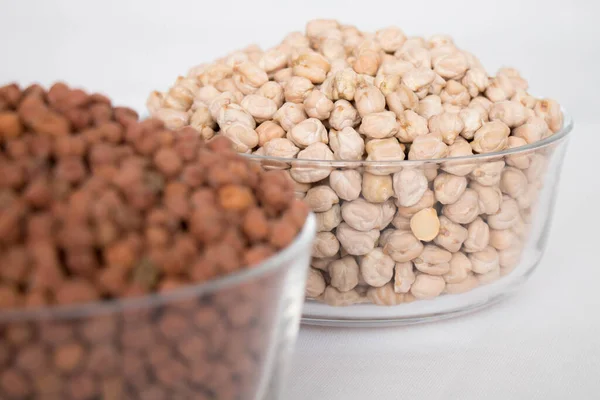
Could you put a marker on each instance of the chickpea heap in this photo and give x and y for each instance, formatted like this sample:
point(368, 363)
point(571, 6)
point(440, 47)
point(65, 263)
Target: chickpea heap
point(94, 206)
point(338, 109)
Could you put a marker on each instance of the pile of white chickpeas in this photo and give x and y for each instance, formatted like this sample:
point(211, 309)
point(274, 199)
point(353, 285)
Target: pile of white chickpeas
point(339, 109)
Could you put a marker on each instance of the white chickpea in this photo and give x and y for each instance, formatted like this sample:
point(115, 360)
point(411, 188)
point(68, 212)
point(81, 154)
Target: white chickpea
point(503, 239)
point(334, 297)
point(404, 277)
point(346, 144)
point(488, 173)
point(427, 147)
point(413, 42)
point(280, 147)
point(154, 102)
point(329, 220)
point(550, 111)
point(307, 132)
point(417, 56)
point(410, 184)
point(489, 277)
point(289, 115)
point(259, 107)
point(343, 115)
point(515, 77)
point(426, 201)
point(344, 84)
point(315, 283)
point(469, 283)
point(282, 76)
point(455, 93)
point(390, 39)
point(527, 100)
point(368, 99)
point(308, 172)
point(362, 215)
point(465, 209)
point(321, 198)
point(437, 85)
point(513, 182)
point(202, 119)
point(418, 78)
point(476, 81)
point(273, 60)
point(347, 184)
point(213, 73)
point(297, 89)
point(401, 222)
point(204, 96)
point(490, 197)
point(460, 268)
point(325, 245)
point(521, 161)
point(387, 84)
point(333, 49)
point(173, 119)
point(500, 88)
point(448, 124)
point(425, 224)
point(234, 113)
point(395, 67)
point(451, 236)
point(344, 273)
point(377, 188)
point(244, 138)
point(512, 113)
point(377, 268)
point(411, 125)
point(322, 264)
point(533, 130)
point(384, 150)
point(311, 65)
point(219, 102)
point(248, 77)
point(268, 131)
point(529, 198)
point(386, 296)
point(427, 286)
point(226, 85)
point(355, 242)
point(459, 148)
point(478, 236)
point(430, 106)
point(402, 246)
point(448, 188)
point(379, 125)
point(273, 91)
point(317, 105)
point(485, 260)
point(507, 216)
point(451, 66)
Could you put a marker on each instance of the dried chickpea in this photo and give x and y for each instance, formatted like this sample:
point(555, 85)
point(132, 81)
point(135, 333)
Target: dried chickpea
point(377, 188)
point(478, 236)
point(460, 268)
point(409, 185)
point(343, 115)
point(465, 209)
point(347, 184)
point(321, 198)
point(346, 144)
point(517, 161)
point(425, 224)
point(329, 220)
point(507, 216)
point(376, 268)
point(317, 105)
point(289, 115)
point(448, 188)
point(513, 182)
point(485, 260)
point(430, 106)
point(344, 273)
point(426, 201)
point(325, 245)
point(451, 235)
point(410, 126)
point(307, 132)
point(447, 124)
point(297, 89)
point(490, 197)
point(315, 283)
point(379, 125)
point(427, 147)
point(427, 286)
point(368, 99)
point(355, 242)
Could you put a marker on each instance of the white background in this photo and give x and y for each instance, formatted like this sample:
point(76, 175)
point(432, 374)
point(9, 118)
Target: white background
point(544, 343)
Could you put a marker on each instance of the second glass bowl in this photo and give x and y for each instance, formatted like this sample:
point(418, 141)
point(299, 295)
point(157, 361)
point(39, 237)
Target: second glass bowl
point(432, 239)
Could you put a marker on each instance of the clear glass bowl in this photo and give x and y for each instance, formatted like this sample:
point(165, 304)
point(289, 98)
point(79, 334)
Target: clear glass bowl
point(503, 247)
point(227, 339)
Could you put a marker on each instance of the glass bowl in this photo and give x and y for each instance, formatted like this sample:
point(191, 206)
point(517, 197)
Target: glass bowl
point(494, 213)
point(227, 339)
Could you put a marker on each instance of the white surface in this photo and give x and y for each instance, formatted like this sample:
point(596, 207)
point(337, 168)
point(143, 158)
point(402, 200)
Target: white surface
point(541, 344)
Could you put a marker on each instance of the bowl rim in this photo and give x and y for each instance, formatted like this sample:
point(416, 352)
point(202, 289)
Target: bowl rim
point(566, 129)
point(282, 259)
